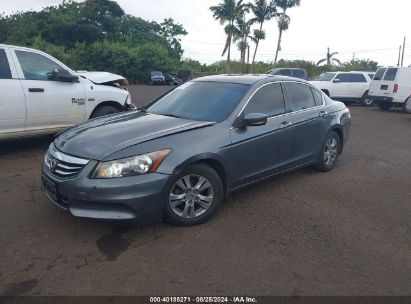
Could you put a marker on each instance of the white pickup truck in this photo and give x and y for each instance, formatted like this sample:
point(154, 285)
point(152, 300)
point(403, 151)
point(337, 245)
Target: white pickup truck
point(40, 95)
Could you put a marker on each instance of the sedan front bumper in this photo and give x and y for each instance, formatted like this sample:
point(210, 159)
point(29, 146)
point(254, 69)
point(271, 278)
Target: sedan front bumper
point(140, 198)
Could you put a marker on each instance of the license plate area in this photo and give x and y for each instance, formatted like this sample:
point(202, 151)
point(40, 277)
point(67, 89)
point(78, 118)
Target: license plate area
point(49, 187)
point(384, 87)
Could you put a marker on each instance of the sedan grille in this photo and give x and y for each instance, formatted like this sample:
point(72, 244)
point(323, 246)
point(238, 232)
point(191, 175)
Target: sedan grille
point(63, 165)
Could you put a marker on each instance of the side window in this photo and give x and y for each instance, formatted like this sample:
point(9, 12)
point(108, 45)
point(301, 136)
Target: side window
point(343, 78)
point(283, 72)
point(36, 66)
point(5, 72)
point(358, 78)
point(267, 100)
point(379, 74)
point(318, 97)
point(371, 76)
point(391, 74)
point(299, 74)
point(300, 96)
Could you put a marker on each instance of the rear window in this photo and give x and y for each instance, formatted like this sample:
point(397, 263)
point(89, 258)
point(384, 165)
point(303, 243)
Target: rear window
point(391, 74)
point(284, 72)
point(343, 78)
point(379, 74)
point(5, 72)
point(300, 96)
point(358, 78)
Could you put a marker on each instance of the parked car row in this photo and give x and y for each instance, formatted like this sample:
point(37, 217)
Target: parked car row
point(388, 87)
point(164, 78)
point(346, 86)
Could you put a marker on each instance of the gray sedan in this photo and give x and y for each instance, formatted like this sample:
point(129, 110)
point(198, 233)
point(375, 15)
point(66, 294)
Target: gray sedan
point(179, 157)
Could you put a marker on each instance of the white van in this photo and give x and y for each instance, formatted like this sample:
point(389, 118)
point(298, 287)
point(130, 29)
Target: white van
point(391, 86)
point(40, 95)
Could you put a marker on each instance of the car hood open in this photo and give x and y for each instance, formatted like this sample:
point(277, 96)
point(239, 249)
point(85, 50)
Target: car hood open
point(101, 137)
point(103, 77)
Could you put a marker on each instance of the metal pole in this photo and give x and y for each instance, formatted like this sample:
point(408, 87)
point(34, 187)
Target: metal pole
point(403, 51)
point(399, 57)
point(248, 59)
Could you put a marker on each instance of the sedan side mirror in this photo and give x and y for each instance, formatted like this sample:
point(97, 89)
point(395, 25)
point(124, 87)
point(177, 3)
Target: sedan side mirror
point(255, 119)
point(63, 76)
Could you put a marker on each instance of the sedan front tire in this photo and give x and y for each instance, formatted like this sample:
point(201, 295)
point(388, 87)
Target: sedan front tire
point(194, 196)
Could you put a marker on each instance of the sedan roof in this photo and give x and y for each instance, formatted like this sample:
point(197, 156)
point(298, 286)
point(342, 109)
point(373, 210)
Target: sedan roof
point(244, 79)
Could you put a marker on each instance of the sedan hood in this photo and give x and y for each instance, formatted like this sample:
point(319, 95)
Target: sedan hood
point(101, 137)
point(103, 77)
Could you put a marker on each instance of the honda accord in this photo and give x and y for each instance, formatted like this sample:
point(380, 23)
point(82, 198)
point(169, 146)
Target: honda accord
point(179, 157)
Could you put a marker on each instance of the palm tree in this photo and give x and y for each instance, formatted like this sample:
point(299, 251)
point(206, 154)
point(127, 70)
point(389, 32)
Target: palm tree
point(330, 59)
point(283, 20)
point(263, 11)
point(242, 33)
point(228, 12)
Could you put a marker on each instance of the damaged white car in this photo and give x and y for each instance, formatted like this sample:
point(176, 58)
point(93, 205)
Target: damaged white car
point(40, 95)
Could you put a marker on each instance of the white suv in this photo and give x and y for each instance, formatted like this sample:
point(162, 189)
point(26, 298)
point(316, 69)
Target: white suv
point(40, 95)
point(346, 86)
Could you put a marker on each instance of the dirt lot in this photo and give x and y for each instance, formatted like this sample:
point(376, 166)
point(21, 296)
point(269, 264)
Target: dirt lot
point(347, 232)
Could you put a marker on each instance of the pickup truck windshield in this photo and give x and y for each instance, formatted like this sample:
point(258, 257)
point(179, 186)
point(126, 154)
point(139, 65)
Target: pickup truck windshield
point(201, 101)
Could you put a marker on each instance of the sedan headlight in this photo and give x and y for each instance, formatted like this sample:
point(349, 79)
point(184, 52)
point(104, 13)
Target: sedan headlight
point(131, 166)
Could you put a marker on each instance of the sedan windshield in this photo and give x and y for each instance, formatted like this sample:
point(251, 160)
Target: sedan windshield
point(200, 100)
point(326, 77)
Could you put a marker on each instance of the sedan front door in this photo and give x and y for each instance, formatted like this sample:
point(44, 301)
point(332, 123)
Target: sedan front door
point(260, 151)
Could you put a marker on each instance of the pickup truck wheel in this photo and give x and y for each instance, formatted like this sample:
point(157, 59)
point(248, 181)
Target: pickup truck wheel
point(385, 105)
point(104, 110)
point(366, 101)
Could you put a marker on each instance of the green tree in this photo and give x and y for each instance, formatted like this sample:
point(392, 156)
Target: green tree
point(227, 13)
point(330, 59)
point(172, 31)
point(263, 11)
point(283, 20)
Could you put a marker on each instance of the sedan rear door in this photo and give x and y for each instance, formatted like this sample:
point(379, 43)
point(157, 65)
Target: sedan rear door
point(309, 122)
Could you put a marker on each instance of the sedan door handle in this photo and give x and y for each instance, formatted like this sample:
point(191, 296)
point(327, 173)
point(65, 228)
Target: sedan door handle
point(36, 90)
point(285, 124)
point(323, 113)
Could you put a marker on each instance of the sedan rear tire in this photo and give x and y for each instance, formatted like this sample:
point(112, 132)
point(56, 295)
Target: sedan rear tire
point(330, 152)
point(194, 196)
